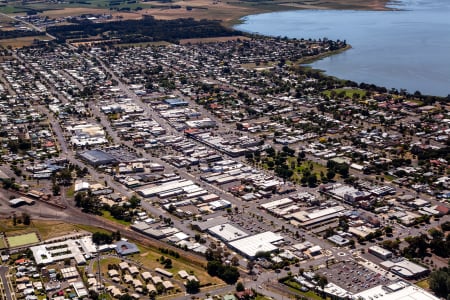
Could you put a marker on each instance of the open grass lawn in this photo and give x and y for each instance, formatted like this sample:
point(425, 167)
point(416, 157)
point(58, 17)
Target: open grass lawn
point(2, 243)
point(107, 215)
point(348, 92)
point(23, 239)
point(424, 284)
point(295, 287)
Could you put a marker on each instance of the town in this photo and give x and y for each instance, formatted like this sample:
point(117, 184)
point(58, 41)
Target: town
point(216, 170)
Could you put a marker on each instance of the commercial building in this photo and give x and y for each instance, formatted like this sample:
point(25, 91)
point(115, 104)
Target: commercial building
point(405, 268)
point(169, 188)
point(319, 217)
point(262, 242)
point(227, 232)
point(97, 157)
point(396, 291)
point(380, 252)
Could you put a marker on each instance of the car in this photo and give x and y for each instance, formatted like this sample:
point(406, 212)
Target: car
point(304, 289)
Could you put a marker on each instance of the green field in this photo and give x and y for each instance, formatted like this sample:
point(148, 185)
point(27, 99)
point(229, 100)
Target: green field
point(3, 243)
point(23, 239)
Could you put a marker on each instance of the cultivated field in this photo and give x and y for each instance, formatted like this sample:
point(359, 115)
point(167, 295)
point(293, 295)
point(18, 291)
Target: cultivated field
point(229, 12)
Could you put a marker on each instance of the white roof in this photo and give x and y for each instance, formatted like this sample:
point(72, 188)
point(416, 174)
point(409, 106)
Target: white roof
point(407, 292)
point(261, 242)
point(227, 232)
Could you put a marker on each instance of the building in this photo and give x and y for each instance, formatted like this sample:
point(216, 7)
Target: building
point(227, 232)
point(380, 252)
point(97, 157)
point(126, 248)
point(262, 242)
point(176, 102)
point(405, 268)
point(16, 202)
point(397, 291)
point(58, 251)
point(319, 217)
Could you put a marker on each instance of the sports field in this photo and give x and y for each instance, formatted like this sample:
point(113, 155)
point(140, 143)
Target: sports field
point(22, 240)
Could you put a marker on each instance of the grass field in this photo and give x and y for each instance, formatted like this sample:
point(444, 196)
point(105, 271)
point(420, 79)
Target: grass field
point(424, 284)
point(348, 92)
point(107, 215)
point(2, 243)
point(22, 41)
point(23, 239)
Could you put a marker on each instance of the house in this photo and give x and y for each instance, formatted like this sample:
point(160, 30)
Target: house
point(113, 273)
point(128, 278)
point(167, 285)
point(123, 265)
point(133, 270)
point(146, 276)
point(137, 283)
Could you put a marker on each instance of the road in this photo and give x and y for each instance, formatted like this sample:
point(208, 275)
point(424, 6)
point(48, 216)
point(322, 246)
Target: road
point(8, 291)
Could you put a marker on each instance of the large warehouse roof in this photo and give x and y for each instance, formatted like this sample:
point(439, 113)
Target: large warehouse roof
point(262, 242)
point(227, 232)
point(397, 291)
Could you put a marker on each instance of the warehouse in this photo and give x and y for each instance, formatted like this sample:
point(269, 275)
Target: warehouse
point(262, 242)
point(97, 157)
point(165, 188)
point(399, 290)
point(227, 232)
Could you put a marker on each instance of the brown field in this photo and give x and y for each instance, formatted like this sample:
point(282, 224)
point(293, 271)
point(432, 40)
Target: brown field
point(46, 229)
point(212, 40)
point(22, 41)
point(229, 12)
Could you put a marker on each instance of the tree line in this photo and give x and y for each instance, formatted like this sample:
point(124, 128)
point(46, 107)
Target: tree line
point(145, 30)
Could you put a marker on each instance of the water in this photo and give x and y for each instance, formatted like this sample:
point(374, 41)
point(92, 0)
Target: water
point(408, 48)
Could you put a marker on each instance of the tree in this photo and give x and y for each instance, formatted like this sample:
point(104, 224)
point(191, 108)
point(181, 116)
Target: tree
point(388, 230)
point(192, 286)
point(213, 267)
point(312, 180)
point(168, 263)
point(440, 282)
point(330, 174)
point(125, 297)
point(230, 275)
point(100, 238)
point(26, 219)
point(240, 287)
point(134, 201)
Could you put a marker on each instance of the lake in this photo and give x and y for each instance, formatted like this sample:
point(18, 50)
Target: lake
point(407, 48)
